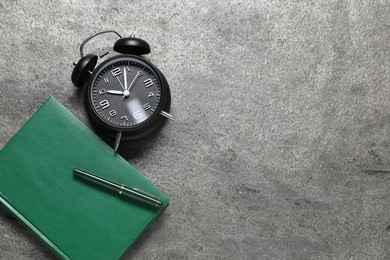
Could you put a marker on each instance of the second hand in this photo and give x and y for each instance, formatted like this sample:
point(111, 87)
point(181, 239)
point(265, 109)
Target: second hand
point(120, 83)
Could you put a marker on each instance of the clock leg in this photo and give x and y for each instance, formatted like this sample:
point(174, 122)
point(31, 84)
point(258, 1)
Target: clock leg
point(167, 115)
point(117, 140)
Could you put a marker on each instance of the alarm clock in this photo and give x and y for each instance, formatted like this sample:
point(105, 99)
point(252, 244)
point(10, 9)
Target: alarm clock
point(126, 97)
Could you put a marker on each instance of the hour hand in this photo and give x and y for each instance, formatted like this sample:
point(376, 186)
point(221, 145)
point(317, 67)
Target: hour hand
point(115, 92)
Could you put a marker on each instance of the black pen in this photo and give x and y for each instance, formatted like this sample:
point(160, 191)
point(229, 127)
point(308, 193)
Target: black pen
point(121, 189)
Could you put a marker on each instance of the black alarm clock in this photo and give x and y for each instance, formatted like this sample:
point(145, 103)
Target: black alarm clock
point(127, 97)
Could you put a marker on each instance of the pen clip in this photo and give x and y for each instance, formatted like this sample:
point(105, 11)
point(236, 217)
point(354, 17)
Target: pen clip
point(145, 193)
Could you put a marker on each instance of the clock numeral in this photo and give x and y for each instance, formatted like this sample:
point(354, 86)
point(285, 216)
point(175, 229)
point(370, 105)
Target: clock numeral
point(106, 80)
point(140, 73)
point(116, 72)
point(128, 69)
point(124, 117)
point(102, 91)
point(137, 114)
point(104, 104)
point(146, 106)
point(148, 83)
point(151, 95)
point(112, 113)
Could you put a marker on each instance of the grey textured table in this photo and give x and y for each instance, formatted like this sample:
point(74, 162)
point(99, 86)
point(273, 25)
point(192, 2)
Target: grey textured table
point(281, 147)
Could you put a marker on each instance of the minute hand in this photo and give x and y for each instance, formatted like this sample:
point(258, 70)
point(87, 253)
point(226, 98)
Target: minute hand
point(125, 78)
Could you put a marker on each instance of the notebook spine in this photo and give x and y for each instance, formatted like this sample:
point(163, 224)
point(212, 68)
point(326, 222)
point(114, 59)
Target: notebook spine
point(30, 226)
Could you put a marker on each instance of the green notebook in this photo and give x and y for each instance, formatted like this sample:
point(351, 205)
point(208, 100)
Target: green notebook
point(74, 219)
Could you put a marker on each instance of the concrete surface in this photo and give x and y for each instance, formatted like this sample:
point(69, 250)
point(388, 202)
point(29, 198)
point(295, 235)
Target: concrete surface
point(280, 149)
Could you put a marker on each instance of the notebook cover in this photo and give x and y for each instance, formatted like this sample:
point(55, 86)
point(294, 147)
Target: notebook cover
point(74, 219)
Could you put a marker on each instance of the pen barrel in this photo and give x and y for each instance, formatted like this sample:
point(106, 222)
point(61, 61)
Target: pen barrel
point(137, 195)
point(97, 180)
point(122, 190)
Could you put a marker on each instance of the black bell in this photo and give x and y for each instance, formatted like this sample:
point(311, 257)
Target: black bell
point(132, 45)
point(83, 69)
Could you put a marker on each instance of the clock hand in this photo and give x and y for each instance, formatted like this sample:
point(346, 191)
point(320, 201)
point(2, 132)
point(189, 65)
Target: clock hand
point(125, 93)
point(120, 83)
point(124, 78)
point(115, 92)
point(131, 84)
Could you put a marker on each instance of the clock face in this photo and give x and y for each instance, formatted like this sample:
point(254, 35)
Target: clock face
point(124, 92)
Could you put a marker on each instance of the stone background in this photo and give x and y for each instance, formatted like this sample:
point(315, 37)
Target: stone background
point(280, 148)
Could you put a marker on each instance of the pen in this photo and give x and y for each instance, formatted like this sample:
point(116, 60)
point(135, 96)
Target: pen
point(121, 189)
